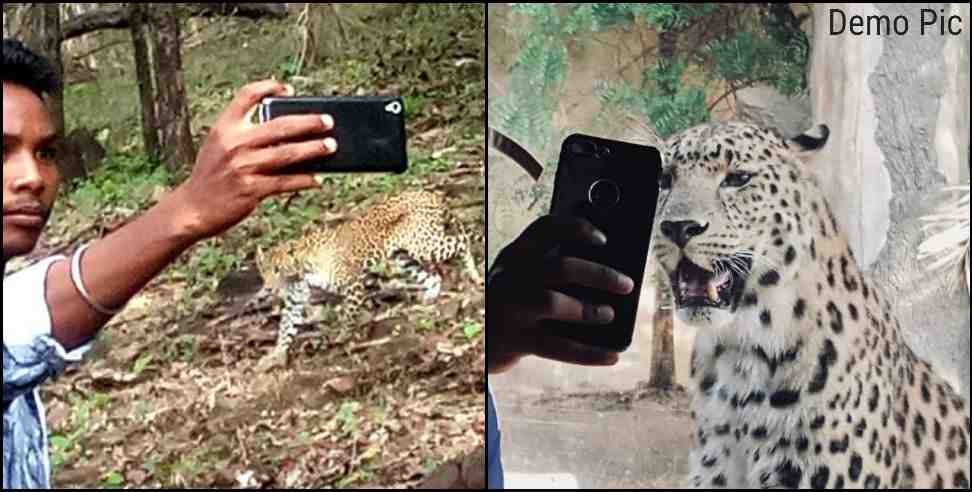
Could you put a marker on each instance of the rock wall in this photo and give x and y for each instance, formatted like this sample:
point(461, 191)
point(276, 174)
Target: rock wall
point(898, 108)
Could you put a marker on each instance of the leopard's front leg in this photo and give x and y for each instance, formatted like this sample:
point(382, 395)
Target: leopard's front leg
point(295, 296)
point(349, 312)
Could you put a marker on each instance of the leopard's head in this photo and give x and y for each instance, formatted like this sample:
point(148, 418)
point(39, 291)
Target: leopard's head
point(733, 216)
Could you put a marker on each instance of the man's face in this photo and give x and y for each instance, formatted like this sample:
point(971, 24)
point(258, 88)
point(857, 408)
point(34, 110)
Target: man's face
point(30, 178)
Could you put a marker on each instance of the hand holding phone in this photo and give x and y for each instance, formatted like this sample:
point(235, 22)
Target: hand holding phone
point(370, 131)
point(525, 291)
point(614, 186)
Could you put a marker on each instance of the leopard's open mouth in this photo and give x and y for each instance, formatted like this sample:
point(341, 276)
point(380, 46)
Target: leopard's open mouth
point(696, 287)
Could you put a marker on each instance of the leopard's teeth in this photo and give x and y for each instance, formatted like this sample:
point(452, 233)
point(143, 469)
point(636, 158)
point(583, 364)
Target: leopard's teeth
point(713, 292)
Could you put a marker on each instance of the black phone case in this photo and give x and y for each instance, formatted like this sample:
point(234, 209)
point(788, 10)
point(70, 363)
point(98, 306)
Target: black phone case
point(370, 132)
point(635, 170)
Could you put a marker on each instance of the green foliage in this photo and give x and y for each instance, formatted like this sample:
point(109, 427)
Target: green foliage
point(209, 263)
point(182, 349)
point(126, 182)
point(142, 364)
point(289, 67)
point(760, 43)
point(663, 99)
point(749, 57)
point(66, 445)
point(472, 330)
point(113, 480)
point(347, 417)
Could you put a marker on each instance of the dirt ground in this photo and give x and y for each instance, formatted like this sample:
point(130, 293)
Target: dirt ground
point(597, 440)
point(174, 399)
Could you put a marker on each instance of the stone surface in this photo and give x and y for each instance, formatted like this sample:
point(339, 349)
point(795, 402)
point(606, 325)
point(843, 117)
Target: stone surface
point(80, 155)
point(763, 105)
point(468, 473)
point(898, 110)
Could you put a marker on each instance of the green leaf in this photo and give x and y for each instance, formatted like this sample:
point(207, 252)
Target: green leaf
point(114, 480)
point(60, 443)
point(142, 364)
point(472, 330)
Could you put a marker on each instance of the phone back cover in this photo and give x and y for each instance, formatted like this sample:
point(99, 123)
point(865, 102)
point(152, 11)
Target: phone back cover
point(370, 132)
point(628, 226)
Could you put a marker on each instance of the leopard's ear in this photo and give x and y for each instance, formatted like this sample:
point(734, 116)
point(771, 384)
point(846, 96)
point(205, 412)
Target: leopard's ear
point(810, 142)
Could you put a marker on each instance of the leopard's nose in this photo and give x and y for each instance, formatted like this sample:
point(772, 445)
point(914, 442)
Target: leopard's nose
point(682, 231)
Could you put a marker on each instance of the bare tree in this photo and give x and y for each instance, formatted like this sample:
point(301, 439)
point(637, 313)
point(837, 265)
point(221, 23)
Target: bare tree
point(6, 20)
point(118, 17)
point(663, 322)
point(663, 328)
point(42, 35)
point(157, 42)
point(173, 115)
point(143, 38)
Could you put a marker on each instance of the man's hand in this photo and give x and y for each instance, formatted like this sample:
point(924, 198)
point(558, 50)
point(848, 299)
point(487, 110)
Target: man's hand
point(236, 166)
point(234, 172)
point(524, 293)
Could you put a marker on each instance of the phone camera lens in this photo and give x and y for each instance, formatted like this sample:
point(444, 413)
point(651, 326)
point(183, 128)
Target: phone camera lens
point(583, 148)
point(604, 194)
point(603, 152)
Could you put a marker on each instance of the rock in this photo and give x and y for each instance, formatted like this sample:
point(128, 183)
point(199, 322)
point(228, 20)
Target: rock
point(80, 155)
point(763, 105)
point(467, 473)
point(240, 284)
point(474, 470)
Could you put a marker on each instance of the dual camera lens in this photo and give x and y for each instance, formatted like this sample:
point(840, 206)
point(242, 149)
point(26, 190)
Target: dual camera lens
point(590, 149)
point(604, 193)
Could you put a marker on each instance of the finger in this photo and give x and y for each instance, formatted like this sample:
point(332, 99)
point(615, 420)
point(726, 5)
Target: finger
point(248, 118)
point(271, 159)
point(574, 271)
point(288, 129)
point(555, 306)
point(280, 185)
point(251, 95)
point(570, 352)
point(550, 231)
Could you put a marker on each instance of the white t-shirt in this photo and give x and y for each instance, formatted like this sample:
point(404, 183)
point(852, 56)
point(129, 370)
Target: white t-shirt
point(26, 315)
point(27, 318)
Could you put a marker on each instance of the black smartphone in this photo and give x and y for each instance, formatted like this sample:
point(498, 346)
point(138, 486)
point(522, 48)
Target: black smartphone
point(614, 185)
point(370, 131)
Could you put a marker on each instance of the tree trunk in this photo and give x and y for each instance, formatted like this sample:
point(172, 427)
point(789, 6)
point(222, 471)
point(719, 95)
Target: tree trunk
point(6, 21)
point(43, 35)
point(662, 350)
point(178, 150)
point(143, 38)
point(117, 18)
point(663, 323)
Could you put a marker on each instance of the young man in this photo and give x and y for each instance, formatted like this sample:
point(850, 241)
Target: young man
point(523, 291)
point(53, 309)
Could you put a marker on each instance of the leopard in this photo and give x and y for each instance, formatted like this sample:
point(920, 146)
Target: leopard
point(410, 236)
point(800, 375)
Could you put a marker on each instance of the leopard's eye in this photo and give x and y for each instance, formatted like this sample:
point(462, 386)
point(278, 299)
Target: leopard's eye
point(737, 180)
point(665, 180)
